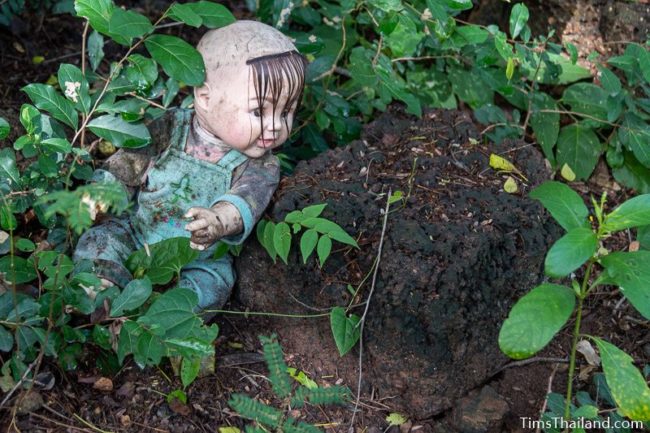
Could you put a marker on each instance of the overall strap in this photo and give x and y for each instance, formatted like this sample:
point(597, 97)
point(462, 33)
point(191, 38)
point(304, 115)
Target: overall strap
point(232, 160)
point(182, 122)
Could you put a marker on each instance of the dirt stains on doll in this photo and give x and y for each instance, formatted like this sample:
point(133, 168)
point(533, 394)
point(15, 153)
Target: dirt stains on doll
point(265, 74)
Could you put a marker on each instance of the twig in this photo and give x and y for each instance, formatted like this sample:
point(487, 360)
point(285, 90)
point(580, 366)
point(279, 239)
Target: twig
point(365, 312)
point(152, 103)
point(17, 385)
point(531, 361)
point(65, 56)
point(331, 70)
point(549, 389)
point(59, 423)
point(83, 73)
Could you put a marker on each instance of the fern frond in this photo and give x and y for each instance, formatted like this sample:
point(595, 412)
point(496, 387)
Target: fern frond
point(280, 380)
point(293, 426)
point(321, 396)
point(254, 410)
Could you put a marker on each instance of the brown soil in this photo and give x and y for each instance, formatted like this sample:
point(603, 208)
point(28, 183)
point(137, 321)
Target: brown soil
point(138, 400)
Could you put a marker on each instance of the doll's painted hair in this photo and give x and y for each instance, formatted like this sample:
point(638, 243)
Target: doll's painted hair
point(271, 73)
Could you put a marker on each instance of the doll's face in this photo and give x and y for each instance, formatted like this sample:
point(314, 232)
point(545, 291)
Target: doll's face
point(229, 108)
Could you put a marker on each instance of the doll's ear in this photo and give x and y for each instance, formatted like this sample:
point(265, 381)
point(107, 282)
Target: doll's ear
point(202, 96)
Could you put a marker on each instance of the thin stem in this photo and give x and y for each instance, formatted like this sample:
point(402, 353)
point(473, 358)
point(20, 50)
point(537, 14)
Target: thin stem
point(261, 313)
point(574, 343)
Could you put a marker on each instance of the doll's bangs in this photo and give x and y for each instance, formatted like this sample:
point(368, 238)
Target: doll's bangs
point(272, 73)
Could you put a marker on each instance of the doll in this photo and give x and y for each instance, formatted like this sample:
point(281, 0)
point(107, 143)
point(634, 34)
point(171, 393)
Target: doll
point(212, 167)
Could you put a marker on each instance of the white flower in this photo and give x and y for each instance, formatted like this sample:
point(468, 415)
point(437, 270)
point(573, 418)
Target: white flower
point(71, 89)
point(426, 15)
point(312, 38)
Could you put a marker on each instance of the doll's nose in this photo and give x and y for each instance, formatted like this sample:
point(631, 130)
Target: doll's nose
point(273, 123)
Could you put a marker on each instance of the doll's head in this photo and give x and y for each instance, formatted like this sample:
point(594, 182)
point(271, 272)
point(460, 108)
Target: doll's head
point(254, 82)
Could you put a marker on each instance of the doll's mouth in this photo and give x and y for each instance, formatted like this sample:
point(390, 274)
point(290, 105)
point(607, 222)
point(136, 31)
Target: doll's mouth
point(265, 143)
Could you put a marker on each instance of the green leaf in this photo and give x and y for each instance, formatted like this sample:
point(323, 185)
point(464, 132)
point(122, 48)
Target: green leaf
point(395, 418)
point(459, 5)
point(190, 368)
point(120, 132)
point(142, 71)
point(573, 52)
point(57, 145)
point(282, 240)
point(587, 98)
point(212, 14)
point(46, 98)
point(323, 249)
point(634, 133)
point(314, 210)
point(471, 34)
point(267, 239)
point(643, 236)
point(563, 203)
point(25, 245)
point(22, 271)
point(128, 339)
point(518, 19)
point(75, 86)
point(625, 382)
point(405, 38)
point(302, 378)
point(546, 126)
point(8, 168)
point(634, 212)
point(184, 13)
point(4, 128)
point(550, 305)
point(570, 252)
point(344, 329)
point(554, 69)
point(397, 87)
point(308, 242)
point(178, 59)
point(172, 314)
point(148, 350)
point(579, 148)
point(134, 295)
point(95, 49)
point(98, 13)
point(387, 5)
point(129, 24)
point(630, 272)
point(7, 220)
point(609, 80)
point(167, 259)
point(6, 340)
point(644, 61)
point(587, 411)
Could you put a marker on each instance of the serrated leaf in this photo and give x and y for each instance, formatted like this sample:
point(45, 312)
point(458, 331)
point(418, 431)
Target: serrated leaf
point(518, 19)
point(570, 252)
point(625, 381)
point(212, 14)
point(609, 80)
point(166, 259)
point(282, 240)
point(129, 24)
point(630, 272)
point(344, 329)
point(580, 148)
point(46, 98)
point(120, 132)
point(551, 305)
point(133, 296)
point(323, 249)
point(172, 313)
point(563, 203)
point(308, 242)
point(178, 59)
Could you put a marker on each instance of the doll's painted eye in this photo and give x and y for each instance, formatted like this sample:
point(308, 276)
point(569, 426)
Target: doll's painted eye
point(257, 112)
point(285, 114)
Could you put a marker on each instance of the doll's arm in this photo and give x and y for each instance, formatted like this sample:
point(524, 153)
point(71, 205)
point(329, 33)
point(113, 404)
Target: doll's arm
point(234, 214)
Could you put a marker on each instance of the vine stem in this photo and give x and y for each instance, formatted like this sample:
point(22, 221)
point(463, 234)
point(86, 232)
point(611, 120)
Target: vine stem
point(84, 37)
point(362, 321)
point(574, 343)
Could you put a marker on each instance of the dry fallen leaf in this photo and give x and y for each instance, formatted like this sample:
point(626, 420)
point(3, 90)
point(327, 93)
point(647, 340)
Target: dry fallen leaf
point(634, 246)
point(588, 352)
point(103, 384)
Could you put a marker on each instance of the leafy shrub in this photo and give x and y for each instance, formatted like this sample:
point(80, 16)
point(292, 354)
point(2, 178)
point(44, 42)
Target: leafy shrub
point(539, 315)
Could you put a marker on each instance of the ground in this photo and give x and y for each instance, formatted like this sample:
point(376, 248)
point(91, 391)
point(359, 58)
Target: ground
point(136, 400)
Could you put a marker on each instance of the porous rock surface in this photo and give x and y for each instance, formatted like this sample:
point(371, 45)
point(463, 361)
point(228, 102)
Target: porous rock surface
point(456, 255)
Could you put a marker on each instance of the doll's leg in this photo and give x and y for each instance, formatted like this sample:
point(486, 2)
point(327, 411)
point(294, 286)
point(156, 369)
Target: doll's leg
point(212, 280)
point(106, 246)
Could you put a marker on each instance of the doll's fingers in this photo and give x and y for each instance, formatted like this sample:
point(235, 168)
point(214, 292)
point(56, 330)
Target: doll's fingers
point(199, 247)
point(194, 212)
point(197, 225)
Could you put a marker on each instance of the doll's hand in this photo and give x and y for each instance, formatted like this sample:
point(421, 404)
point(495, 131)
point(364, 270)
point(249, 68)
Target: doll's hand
point(211, 224)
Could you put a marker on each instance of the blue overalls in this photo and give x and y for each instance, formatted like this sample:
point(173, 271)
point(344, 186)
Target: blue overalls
point(176, 182)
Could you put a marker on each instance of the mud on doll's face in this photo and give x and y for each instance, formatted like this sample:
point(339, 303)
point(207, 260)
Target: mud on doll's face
point(235, 115)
